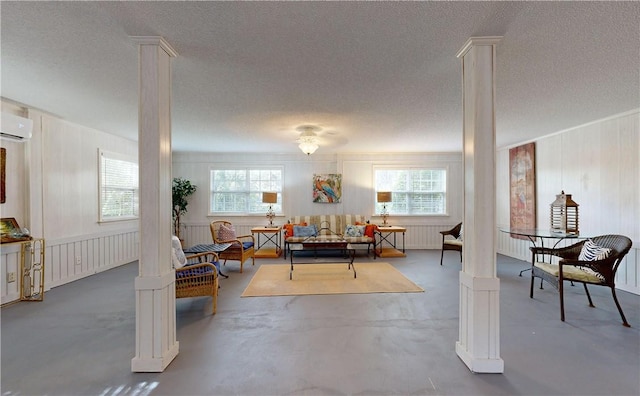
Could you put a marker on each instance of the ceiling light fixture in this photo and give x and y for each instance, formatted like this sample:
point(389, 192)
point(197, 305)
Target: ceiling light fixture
point(308, 140)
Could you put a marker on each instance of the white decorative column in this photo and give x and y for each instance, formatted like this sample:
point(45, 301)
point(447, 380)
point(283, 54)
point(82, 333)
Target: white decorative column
point(479, 338)
point(156, 344)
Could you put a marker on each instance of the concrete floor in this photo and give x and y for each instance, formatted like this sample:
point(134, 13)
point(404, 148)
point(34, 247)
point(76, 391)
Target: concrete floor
point(80, 340)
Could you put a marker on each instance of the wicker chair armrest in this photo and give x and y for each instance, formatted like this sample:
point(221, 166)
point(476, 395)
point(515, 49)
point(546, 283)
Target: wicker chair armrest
point(604, 267)
point(454, 232)
point(567, 252)
point(250, 236)
point(231, 241)
point(191, 267)
point(575, 262)
point(542, 250)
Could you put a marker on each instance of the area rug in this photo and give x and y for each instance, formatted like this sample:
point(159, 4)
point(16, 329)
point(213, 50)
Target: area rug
point(325, 278)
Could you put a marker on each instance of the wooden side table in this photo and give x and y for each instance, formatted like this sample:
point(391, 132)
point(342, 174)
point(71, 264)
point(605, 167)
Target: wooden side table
point(384, 234)
point(273, 237)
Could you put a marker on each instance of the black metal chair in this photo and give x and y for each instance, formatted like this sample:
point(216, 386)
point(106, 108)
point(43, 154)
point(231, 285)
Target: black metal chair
point(452, 244)
point(569, 268)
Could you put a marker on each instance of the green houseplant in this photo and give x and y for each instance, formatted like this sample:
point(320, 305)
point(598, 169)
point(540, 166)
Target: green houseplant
point(181, 190)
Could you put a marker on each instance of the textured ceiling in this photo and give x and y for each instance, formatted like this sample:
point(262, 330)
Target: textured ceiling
point(375, 76)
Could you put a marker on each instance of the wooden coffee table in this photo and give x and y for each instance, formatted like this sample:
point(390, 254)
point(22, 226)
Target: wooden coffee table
point(346, 250)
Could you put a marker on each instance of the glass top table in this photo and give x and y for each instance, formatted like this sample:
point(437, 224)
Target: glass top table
point(535, 233)
point(539, 234)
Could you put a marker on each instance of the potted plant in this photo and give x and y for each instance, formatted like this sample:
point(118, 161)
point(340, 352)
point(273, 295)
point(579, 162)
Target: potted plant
point(181, 190)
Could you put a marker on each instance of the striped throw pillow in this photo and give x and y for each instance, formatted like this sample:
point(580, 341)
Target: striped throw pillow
point(592, 252)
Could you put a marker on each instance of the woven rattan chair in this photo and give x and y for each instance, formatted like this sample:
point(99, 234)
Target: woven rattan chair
point(454, 243)
point(570, 268)
point(242, 248)
point(198, 277)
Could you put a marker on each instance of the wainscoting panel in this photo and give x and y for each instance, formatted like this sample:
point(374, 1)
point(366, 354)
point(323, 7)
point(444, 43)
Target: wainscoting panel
point(67, 260)
point(10, 256)
point(628, 275)
point(70, 259)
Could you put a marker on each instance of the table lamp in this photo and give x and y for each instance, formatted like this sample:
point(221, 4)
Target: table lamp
point(270, 198)
point(384, 197)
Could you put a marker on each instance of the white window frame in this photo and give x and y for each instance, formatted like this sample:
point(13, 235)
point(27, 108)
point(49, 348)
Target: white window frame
point(252, 193)
point(134, 186)
point(379, 186)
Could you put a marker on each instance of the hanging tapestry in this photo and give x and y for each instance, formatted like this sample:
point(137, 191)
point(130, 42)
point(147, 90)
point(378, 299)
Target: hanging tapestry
point(522, 181)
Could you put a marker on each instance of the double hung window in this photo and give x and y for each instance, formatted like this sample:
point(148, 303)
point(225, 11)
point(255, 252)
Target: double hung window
point(118, 186)
point(414, 191)
point(238, 190)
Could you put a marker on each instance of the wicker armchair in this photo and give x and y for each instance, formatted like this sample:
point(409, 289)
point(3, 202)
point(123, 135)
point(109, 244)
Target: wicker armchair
point(242, 248)
point(570, 268)
point(452, 244)
point(199, 275)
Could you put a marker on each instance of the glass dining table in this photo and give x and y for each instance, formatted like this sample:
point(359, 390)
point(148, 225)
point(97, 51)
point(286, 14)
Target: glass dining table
point(537, 237)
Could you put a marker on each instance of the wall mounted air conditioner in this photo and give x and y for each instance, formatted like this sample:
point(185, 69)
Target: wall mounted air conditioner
point(14, 127)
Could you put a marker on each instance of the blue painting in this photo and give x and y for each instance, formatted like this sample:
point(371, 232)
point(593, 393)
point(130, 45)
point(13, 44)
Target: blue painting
point(327, 188)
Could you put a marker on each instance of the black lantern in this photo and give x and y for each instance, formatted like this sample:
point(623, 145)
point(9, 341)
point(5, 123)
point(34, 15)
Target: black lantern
point(564, 215)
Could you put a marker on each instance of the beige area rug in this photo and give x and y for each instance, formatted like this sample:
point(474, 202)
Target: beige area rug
point(328, 278)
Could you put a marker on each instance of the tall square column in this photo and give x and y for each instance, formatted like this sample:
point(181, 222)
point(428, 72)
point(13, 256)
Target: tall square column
point(156, 344)
point(479, 326)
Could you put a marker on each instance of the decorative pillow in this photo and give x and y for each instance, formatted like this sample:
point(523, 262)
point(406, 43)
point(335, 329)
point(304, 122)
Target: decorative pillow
point(461, 233)
point(177, 257)
point(354, 230)
point(226, 233)
point(288, 228)
point(592, 252)
point(369, 229)
point(305, 231)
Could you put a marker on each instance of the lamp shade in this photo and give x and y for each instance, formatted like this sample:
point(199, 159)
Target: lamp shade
point(384, 196)
point(269, 197)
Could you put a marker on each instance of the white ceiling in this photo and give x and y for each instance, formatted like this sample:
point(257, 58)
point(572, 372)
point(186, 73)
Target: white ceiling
point(375, 76)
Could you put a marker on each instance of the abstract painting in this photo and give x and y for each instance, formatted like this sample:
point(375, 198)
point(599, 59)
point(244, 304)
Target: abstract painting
point(522, 191)
point(327, 188)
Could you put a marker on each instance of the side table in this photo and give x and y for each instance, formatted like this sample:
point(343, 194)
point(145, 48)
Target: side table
point(384, 233)
point(273, 237)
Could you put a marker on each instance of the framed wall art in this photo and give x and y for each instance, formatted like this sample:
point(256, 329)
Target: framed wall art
point(522, 187)
point(327, 188)
point(3, 167)
point(10, 231)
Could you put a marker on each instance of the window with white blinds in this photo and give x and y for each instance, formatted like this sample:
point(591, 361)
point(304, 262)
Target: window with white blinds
point(238, 191)
point(118, 186)
point(420, 191)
